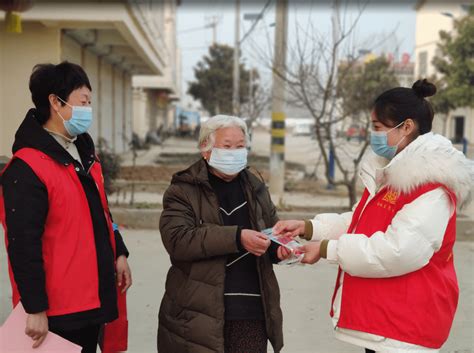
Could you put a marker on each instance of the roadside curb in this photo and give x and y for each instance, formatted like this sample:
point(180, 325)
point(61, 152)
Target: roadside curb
point(149, 219)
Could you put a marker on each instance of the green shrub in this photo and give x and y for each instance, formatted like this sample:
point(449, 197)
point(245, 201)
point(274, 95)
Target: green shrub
point(110, 165)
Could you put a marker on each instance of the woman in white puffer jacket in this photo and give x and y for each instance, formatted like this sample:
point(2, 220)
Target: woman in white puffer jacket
point(396, 289)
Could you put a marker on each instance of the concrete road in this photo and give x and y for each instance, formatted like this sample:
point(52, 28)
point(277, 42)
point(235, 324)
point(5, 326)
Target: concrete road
point(298, 149)
point(305, 290)
point(304, 150)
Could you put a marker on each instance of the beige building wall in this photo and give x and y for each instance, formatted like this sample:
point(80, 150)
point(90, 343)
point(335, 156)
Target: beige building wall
point(111, 93)
point(117, 106)
point(90, 63)
point(431, 18)
point(155, 112)
point(163, 22)
point(110, 40)
point(140, 112)
point(128, 108)
point(39, 45)
point(468, 114)
point(170, 117)
point(70, 50)
point(106, 102)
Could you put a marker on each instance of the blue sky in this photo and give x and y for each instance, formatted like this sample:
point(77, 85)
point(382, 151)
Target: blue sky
point(394, 22)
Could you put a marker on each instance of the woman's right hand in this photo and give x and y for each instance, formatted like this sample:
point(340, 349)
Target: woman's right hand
point(254, 242)
point(289, 228)
point(37, 327)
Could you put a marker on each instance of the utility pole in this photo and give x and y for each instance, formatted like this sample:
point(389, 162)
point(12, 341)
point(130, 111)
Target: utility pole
point(214, 33)
point(236, 76)
point(335, 33)
point(212, 22)
point(277, 156)
point(250, 93)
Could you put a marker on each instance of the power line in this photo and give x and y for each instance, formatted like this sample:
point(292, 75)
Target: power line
point(194, 48)
point(259, 17)
point(195, 29)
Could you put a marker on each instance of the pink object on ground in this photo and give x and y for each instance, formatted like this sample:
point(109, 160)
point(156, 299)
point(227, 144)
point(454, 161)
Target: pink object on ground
point(14, 340)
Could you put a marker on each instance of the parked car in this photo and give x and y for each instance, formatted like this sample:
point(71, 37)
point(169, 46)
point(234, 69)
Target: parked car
point(356, 132)
point(303, 129)
point(187, 123)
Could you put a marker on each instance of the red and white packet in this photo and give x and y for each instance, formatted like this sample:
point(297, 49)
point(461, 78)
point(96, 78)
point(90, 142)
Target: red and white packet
point(289, 243)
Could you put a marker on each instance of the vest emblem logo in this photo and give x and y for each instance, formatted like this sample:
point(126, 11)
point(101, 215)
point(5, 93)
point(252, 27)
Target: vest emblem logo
point(389, 200)
point(391, 197)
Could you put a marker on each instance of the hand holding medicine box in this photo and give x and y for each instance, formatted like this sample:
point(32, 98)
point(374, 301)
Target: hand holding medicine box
point(289, 243)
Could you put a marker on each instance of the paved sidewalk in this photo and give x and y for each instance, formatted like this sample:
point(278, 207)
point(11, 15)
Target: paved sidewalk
point(306, 293)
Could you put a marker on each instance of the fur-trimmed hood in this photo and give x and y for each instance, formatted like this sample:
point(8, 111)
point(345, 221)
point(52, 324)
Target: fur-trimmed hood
point(430, 158)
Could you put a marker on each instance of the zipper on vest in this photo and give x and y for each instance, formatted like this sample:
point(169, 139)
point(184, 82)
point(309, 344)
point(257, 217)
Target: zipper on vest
point(90, 167)
point(340, 276)
point(362, 212)
point(339, 284)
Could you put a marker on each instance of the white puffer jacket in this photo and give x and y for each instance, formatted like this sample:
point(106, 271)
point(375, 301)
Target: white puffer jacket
point(416, 231)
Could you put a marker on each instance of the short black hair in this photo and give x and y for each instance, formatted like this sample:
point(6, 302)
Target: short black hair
point(399, 104)
point(60, 80)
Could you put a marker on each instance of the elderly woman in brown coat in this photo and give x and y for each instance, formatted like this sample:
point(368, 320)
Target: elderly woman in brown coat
point(221, 292)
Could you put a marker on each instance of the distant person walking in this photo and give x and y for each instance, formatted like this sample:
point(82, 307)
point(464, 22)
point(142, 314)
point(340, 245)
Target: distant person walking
point(396, 290)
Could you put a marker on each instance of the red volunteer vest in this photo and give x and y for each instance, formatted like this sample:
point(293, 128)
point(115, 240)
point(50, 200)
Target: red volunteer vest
point(69, 253)
point(417, 307)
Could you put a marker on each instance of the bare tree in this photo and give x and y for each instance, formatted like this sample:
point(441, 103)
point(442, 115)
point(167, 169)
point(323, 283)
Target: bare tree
point(313, 74)
point(259, 98)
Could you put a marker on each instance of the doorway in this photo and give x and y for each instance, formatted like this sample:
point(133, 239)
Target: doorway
point(459, 122)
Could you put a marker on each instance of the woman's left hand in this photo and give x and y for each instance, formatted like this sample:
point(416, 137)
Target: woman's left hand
point(124, 275)
point(283, 253)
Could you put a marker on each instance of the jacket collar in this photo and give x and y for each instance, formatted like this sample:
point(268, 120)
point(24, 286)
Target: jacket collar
point(32, 135)
point(430, 158)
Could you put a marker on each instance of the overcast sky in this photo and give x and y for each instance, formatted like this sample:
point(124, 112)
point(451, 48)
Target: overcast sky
point(381, 19)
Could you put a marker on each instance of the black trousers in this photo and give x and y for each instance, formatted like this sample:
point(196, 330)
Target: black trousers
point(86, 337)
point(245, 336)
point(369, 351)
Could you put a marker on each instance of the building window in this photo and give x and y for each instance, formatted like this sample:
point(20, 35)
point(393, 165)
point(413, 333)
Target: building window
point(422, 64)
point(459, 122)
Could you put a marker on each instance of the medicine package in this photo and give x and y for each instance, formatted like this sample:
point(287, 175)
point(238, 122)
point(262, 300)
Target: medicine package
point(289, 243)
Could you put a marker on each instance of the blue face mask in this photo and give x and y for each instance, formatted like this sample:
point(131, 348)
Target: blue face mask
point(81, 119)
point(227, 161)
point(379, 143)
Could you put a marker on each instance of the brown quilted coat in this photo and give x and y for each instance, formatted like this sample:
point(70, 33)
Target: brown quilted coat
point(191, 318)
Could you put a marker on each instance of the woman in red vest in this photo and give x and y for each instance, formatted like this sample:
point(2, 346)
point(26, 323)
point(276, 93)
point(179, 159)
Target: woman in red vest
point(396, 290)
point(65, 257)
